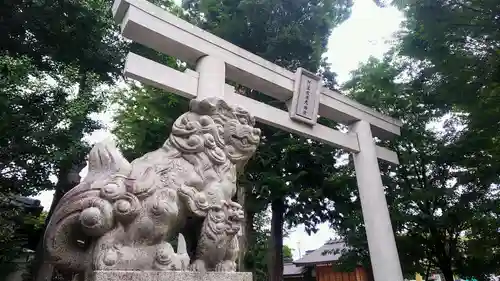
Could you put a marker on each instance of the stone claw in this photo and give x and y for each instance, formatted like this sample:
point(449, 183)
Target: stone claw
point(198, 265)
point(226, 266)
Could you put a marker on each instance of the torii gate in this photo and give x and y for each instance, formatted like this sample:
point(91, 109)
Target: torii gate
point(217, 59)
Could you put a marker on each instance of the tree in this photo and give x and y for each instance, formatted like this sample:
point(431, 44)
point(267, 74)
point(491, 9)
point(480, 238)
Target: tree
point(54, 34)
point(259, 249)
point(460, 42)
point(42, 125)
point(36, 125)
point(21, 226)
point(46, 43)
point(24, 162)
point(287, 253)
point(54, 56)
point(288, 171)
point(51, 47)
point(144, 118)
point(445, 195)
point(438, 207)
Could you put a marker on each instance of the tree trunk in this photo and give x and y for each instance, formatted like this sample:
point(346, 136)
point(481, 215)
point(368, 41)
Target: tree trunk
point(447, 273)
point(275, 265)
point(243, 239)
point(248, 233)
point(369, 273)
point(427, 272)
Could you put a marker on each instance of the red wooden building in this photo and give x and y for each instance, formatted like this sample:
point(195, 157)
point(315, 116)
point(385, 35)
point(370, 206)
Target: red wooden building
point(319, 265)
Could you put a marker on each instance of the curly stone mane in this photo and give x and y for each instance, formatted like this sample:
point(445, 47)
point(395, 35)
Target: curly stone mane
point(224, 134)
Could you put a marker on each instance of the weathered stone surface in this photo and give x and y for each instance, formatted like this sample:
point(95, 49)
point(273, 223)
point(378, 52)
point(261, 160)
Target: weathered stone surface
point(126, 216)
point(118, 275)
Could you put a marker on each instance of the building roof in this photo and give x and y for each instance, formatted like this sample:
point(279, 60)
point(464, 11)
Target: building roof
point(331, 251)
point(25, 202)
point(290, 269)
point(30, 205)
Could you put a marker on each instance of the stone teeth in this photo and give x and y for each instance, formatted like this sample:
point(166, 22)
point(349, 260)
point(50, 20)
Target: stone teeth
point(181, 245)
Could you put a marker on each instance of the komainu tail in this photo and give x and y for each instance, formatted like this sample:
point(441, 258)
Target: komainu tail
point(86, 211)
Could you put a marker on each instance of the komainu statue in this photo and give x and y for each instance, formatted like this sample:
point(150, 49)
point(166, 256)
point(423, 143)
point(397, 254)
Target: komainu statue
point(128, 216)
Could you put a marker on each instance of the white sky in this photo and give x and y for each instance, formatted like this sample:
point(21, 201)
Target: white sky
point(363, 35)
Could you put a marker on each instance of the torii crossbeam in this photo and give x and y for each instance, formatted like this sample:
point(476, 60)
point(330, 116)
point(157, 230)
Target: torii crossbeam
point(217, 60)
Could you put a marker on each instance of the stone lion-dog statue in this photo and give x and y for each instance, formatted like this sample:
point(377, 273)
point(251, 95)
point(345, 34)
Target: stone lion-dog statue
point(126, 215)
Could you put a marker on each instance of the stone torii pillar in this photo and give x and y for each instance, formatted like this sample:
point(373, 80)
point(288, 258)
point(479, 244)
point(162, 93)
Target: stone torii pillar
point(217, 60)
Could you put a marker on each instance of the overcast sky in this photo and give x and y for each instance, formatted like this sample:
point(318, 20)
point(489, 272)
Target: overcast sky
point(363, 35)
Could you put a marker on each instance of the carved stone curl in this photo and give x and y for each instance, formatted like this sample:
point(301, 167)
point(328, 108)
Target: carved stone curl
point(125, 216)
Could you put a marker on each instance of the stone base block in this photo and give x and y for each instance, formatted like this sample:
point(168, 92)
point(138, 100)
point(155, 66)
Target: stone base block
point(116, 275)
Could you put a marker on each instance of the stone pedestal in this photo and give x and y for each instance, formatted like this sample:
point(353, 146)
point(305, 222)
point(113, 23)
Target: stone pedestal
point(116, 275)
